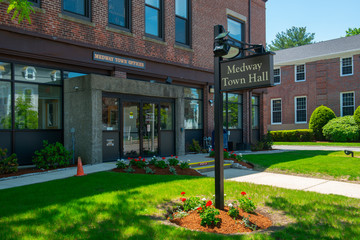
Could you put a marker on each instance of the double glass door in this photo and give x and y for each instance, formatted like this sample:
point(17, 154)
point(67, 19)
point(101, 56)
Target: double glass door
point(134, 127)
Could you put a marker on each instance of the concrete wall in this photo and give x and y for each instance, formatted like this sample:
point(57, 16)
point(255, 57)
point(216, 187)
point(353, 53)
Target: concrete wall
point(83, 110)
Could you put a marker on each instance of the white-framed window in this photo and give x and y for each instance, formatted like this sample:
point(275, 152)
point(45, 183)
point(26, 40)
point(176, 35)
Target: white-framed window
point(277, 76)
point(300, 109)
point(276, 111)
point(347, 103)
point(346, 66)
point(300, 73)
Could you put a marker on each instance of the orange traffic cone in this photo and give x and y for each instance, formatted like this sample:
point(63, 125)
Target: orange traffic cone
point(80, 170)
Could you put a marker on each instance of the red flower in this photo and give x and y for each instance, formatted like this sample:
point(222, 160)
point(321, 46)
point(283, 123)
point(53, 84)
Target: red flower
point(243, 193)
point(225, 150)
point(209, 203)
point(129, 158)
point(232, 152)
point(235, 154)
point(249, 198)
point(183, 199)
point(172, 155)
point(212, 150)
point(163, 158)
point(199, 208)
point(139, 157)
point(176, 156)
point(182, 193)
point(143, 159)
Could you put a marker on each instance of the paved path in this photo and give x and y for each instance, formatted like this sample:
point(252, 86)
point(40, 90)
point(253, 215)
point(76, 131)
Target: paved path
point(324, 148)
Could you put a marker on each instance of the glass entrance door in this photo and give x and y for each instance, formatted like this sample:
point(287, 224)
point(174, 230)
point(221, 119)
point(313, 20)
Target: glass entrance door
point(150, 130)
point(131, 124)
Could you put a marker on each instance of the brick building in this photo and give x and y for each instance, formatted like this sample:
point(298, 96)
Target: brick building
point(325, 73)
point(121, 77)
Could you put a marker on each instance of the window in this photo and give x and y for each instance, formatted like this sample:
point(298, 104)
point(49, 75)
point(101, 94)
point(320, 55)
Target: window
point(346, 66)
point(233, 108)
point(182, 22)
point(277, 76)
point(119, 13)
point(35, 3)
point(193, 108)
point(5, 70)
point(5, 105)
point(300, 110)
point(37, 74)
point(77, 7)
point(276, 111)
point(255, 112)
point(153, 18)
point(300, 73)
point(236, 28)
point(347, 102)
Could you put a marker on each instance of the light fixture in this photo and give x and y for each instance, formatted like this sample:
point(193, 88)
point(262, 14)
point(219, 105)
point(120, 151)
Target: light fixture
point(211, 88)
point(168, 80)
point(211, 102)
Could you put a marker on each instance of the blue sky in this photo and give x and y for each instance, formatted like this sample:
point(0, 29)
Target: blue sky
point(328, 19)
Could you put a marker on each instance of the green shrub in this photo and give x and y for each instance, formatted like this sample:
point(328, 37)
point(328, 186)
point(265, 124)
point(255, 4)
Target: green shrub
point(298, 135)
point(195, 146)
point(341, 129)
point(319, 118)
point(173, 161)
point(52, 156)
point(161, 163)
point(357, 115)
point(8, 164)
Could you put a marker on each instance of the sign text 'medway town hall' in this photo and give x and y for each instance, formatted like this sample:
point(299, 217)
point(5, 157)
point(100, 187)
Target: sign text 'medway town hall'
point(250, 72)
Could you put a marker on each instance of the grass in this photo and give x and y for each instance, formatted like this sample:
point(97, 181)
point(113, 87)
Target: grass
point(342, 144)
point(111, 205)
point(326, 163)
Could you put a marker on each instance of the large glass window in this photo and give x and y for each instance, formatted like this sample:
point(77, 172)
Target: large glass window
point(233, 111)
point(153, 17)
point(166, 116)
point(276, 111)
point(5, 105)
point(77, 7)
point(300, 110)
point(347, 103)
point(193, 108)
point(346, 66)
point(110, 114)
point(300, 73)
point(37, 106)
point(182, 23)
point(236, 28)
point(255, 112)
point(33, 74)
point(119, 13)
point(277, 76)
point(5, 70)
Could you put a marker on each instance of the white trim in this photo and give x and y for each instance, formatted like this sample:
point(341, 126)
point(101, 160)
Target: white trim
point(295, 108)
point(271, 110)
point(236, 15)
point(295, 70)
point(277, 75)
point(341, 101)
point(341, 66)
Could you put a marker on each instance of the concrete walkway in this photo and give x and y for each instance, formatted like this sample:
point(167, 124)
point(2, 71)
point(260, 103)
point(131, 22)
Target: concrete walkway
point(305, 147)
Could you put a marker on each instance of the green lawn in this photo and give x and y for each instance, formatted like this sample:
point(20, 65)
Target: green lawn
point(345, 144)
point(314, 163)
point(111, 205)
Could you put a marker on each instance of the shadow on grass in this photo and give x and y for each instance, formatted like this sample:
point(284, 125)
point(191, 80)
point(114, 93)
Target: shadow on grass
point(316, 220)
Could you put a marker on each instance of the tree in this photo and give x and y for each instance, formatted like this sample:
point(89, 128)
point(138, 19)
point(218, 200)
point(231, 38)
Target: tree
point(352, 32)
point(293, 37)
point(22, 9)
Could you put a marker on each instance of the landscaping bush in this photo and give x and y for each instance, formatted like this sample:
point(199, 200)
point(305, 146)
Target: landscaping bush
point(319, 118)
point(298, 135)
point(8, 164)
point(195, 146)
point(52, 156)
point(357, 115)
point(341, 129)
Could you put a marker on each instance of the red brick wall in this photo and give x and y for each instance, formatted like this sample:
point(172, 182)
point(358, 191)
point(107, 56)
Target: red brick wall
point(323, 86)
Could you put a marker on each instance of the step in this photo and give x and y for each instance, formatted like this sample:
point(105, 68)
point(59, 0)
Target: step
point(208, 166)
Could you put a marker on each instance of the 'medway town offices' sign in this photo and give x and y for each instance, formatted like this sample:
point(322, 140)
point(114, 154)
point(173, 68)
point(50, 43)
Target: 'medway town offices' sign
point(103, 57)
point(255, 71)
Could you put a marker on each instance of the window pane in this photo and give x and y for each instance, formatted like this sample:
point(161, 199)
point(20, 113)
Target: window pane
point(181, 30)
point(110, 113)
point(276, 111)
point(166, 112)
point(154, 3)
point(37, 106)
point(255, 112)
point(5, 105)
point(235, 116)
point(235, 29)
point(75, 6)
point(152, 21)
point(117, 12)
point(181, 8)
point(233, 97)
point(346, 66)
point(301, 109)
point(72, 74)
point(347, 104)
point(5, 70)
point(300, 72)
point(193, 114)
point(37, 74)
point(276, 75)
point(193, 93)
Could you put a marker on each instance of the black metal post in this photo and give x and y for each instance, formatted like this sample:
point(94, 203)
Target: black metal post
point(219, 137)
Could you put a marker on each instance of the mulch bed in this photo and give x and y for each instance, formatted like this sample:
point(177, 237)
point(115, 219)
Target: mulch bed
point(22, 171)
point(162, 171)
point(227, 225)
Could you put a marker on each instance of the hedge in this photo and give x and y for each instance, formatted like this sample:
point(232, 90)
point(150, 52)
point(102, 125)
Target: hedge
point(341, 129)
point(319, 118)
point(299, 135)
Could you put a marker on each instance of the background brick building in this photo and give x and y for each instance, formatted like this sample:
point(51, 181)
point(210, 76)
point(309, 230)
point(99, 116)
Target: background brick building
point(51, 65)
point(325, 73)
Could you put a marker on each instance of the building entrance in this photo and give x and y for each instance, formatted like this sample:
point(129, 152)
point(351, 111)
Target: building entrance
point(137, 126)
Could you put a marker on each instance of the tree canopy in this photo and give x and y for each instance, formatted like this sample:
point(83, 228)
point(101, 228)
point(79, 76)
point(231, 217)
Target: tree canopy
point(352, 32)
point(21, 9)
point(293, 37)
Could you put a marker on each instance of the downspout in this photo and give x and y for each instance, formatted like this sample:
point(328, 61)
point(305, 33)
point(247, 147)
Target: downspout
point(250, 99)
